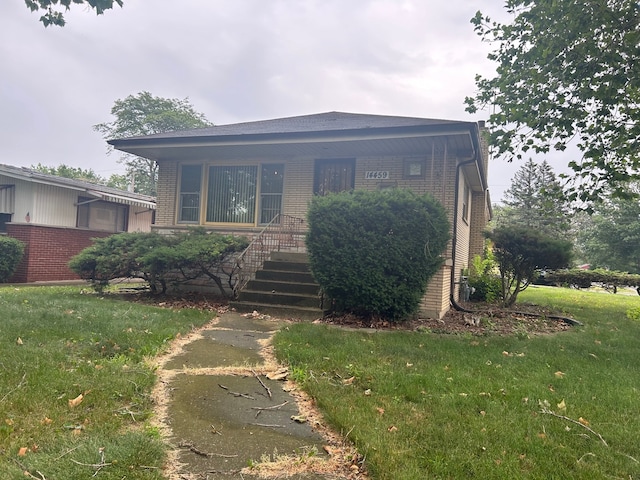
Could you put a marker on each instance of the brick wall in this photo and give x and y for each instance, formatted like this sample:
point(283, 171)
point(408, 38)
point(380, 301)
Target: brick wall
point(48, 250)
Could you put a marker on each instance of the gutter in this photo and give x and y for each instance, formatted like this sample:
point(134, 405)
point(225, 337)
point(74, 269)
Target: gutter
point(475, 158)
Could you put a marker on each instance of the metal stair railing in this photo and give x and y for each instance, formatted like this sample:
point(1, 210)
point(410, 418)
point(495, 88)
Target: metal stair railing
point(284, 232)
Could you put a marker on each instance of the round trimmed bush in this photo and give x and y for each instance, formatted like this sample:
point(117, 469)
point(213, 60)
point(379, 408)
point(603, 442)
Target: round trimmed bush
point(11, 251)
point(373, 252)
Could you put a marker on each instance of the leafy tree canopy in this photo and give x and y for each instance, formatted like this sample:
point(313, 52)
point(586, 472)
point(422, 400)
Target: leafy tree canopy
point(53, 8)
point(144, 114)
point(86, 175)
point(567, 70)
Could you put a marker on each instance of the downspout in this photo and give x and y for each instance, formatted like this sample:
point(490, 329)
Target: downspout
point(475, 158)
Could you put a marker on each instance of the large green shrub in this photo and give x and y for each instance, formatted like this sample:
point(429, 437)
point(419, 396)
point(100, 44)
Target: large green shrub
point(160, 260)
point(373, 252)
point(11, 251)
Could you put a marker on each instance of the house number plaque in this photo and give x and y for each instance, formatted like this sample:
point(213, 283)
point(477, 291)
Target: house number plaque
point(376, 175)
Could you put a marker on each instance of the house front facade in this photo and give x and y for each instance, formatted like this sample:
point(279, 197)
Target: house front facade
point(238, 178)
point(57, 217)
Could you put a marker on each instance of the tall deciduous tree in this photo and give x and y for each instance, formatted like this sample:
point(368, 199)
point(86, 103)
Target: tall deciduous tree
point(144, 114)
point(610, 238)
point(53, 9)
point(567, 70)
point(535, 200)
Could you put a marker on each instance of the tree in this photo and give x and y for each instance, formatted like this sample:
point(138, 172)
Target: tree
point(144, 114)
point(85, 175)
point(53, 8)
point(535, 200)
point(66, 171)
point(521, 253)
point(567, 70)
point(373, 252)
point(610, 238)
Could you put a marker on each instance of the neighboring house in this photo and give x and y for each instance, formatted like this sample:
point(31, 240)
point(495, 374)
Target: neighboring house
point(57, 217)
point(237, 178)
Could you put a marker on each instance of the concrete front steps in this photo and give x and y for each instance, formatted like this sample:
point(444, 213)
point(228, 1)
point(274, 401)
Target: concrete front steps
point(284, 287)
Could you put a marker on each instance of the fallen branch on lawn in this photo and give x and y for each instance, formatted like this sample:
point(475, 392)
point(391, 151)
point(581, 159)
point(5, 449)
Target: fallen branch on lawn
point(274, 407)
point(236, 394)
point(195, 450)
point(549, 412)
point(262, 383)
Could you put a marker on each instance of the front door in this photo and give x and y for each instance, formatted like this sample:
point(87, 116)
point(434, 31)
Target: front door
point(334, 175)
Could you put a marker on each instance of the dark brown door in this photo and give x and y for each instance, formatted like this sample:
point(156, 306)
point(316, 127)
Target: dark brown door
point(335, 175)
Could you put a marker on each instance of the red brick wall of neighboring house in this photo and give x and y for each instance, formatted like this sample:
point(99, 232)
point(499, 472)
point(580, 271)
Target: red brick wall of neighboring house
point(47, 251)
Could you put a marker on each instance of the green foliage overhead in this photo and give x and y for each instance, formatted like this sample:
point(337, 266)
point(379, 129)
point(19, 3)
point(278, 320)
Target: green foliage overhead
point(143, 114)
point(374, 252)
point(521, 253)
point(11, 252)
point(53, 8)
point(566, 70)
point(161, 260)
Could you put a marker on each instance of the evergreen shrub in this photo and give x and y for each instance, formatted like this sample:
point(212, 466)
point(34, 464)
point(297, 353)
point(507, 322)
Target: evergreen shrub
point(373, 252)
point(160, 260)
point(11, 252)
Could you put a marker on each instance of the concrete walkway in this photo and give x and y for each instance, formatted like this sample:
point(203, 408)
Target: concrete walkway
point(222, 406)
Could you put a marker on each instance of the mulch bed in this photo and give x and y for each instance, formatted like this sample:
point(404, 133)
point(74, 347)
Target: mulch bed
point(485, 320)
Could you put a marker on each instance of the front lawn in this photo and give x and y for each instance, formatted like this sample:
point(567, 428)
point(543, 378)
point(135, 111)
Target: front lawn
point(74, 384)
point(426, 405)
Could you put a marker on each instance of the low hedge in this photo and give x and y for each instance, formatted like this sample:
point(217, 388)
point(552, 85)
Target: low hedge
point(579, 278)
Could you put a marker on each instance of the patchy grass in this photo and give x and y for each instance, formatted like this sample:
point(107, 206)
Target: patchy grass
point(74, 385)
point(425, 405)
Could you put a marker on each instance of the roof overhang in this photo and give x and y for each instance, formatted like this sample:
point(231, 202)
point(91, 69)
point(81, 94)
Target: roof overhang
point(344, 143)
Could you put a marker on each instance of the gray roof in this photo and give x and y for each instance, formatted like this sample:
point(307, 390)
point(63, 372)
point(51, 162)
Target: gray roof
point(316, 123)
point(93, 189)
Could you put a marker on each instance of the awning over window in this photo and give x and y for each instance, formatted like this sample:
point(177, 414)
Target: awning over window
point(110, 197)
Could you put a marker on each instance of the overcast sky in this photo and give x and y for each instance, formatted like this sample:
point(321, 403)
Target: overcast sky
point(236, 61)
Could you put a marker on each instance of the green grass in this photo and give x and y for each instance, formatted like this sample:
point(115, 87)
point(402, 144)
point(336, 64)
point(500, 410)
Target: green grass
point(423, 405)
point(56, 344)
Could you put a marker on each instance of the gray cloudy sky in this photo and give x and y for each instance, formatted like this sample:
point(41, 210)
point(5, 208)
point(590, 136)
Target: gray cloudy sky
point(236, 61)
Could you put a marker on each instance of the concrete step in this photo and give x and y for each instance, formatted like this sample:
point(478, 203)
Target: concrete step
point(292, 299)
point(284, 276)
point(281, 311)
point(275, 286)
point(285, 266)
point(297, 257)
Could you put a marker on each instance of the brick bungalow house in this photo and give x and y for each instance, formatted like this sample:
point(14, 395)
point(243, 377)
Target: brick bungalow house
point(57, 217)
point(237, 178)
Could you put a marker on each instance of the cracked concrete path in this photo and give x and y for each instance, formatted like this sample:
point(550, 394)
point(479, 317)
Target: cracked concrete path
point(223, 404)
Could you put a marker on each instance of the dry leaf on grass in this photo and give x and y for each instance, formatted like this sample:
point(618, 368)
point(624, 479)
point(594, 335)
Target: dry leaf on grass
point(76, 401)
point(22, 452)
